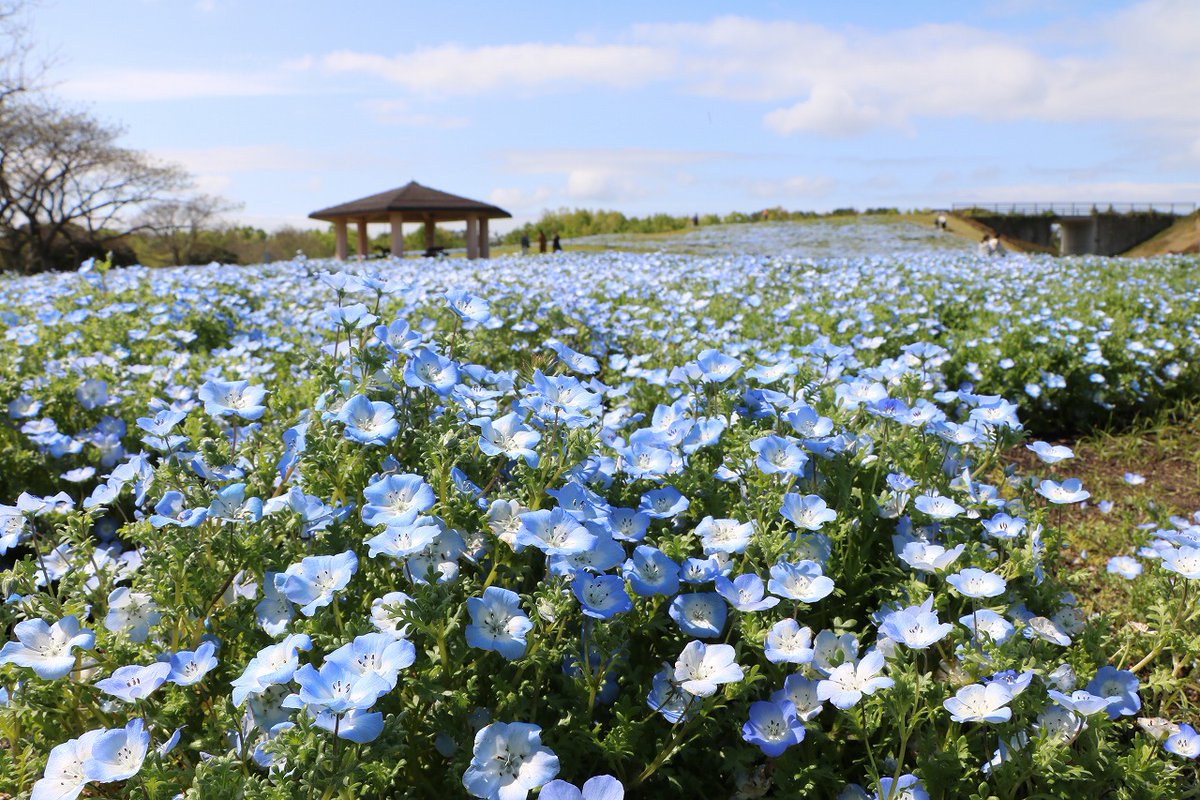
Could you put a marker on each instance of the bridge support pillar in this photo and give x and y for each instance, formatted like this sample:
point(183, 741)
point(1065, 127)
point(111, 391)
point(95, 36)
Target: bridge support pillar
point(1079, 236)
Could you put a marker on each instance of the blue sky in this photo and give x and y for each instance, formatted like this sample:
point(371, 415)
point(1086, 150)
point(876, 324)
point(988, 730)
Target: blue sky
point(288, 106)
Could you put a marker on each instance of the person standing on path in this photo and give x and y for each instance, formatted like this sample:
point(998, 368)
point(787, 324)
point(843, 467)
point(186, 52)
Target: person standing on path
point(557, 244)
point(541, 241)
point(524, 243)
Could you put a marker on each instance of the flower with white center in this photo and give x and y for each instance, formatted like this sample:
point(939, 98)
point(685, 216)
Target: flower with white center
point(1069, 491)
point(272, 665)
point(980, 703)
point(498, 623)
point(396, 499)
point(554, 532)
point(917, 627)
point(509, 436)
point(701, 668)
point(989, 623)
point(188, 667)
point(789, 643)
point(64, 777)
point(774, 726)
point(809, 512)
point(46, 649)
point(1120, 687)
point(972, 582)
point(386, 614)
point(508, 762)
point(700, 614)
point(848, 682)
point(117, 755)
point(381, 653)
point(1058, 724)
point(134, 682)
point(1185, 561)
point(131, 612)
point(802, 692)
point(1184, 743)
point(312, 583)
point(724, 535)
point(924, 557)
point(803, 581)
point(937, 507)
point(1082, 702)
point(600, 596)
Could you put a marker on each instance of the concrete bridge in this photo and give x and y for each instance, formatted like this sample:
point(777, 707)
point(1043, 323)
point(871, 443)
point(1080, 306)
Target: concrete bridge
point(1072, 229)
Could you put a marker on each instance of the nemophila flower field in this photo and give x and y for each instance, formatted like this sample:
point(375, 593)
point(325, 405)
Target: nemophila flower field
point(603, 525)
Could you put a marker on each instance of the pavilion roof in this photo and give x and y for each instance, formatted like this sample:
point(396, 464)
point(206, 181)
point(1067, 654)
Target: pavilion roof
point(414, 202)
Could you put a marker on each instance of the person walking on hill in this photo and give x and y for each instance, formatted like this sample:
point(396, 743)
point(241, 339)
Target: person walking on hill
point(557, 244)
point(524, 243)
point(541, 241)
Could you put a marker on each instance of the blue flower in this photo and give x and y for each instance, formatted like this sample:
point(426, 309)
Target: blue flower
point(381, 653)
point(311, 584)
point(401, 540)
point(239, 398)
point(802, 692)
point(337, 688)
point(1184, 743)
point(628, 525)
point(1050, 454)
point(1069, 491)
point(803, 581)
point(554, 532)
point(467, 306)
point(117, 755)
point(972, 582)
point(188, 667)
point(356, 725)
point(64, 777)
point(1120, 687)
point(715, 367)
point(937, 506)
point(274, 664)
point(508, 762)
point(700, 615)
point(906, 787)
point(809, 511)
point(773, 726)
point(917, 627)
point(396, 499)
point(980, 703)
point(601, 596)
point(507, 435)
point(134, 682)
point(663, 503)
point(47, 649)
point(745, 593)
point(426, 369)
point(650, 571)
point(788, 643)
point(776, 455)
point(724, 535)
point(601, 787)
point(367, 421)
point(497, 622)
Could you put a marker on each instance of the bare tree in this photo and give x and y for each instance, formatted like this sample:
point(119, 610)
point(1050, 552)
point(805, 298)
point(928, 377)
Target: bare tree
point(17, 73)
point(178, 223)
point(64, 179)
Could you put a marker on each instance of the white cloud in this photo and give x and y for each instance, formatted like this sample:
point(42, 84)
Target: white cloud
point(523, 199)
point(1141, 65)
point(1100, 192)
point(456, 70)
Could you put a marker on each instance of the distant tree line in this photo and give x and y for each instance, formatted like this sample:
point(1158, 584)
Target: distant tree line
point(575, 222)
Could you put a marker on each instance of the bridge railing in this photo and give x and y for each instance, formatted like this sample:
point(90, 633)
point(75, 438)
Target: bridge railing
point(1077, 209)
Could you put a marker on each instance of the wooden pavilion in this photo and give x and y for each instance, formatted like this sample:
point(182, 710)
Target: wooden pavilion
point(412, 203)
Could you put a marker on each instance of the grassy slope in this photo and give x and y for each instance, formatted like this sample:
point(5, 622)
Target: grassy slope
point(1182, 237)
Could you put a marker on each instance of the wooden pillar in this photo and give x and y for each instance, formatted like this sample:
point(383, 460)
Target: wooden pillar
point(485, 246)
point(362, 237)
point(472, 236)
point(397, 222)
point(429, 226)
point(339, 232)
